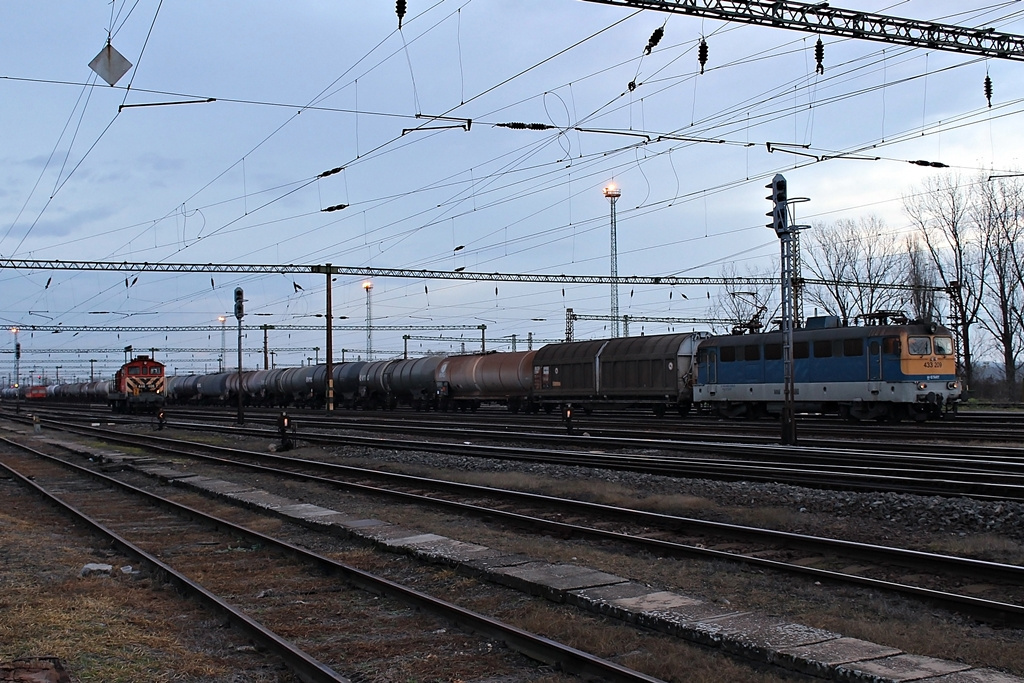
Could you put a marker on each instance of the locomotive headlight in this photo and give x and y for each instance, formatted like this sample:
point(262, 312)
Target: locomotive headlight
point(921, 386)
point(952, 385)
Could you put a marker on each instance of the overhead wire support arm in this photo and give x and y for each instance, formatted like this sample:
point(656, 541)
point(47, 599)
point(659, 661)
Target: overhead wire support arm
point(363, 272)
point(821, 18)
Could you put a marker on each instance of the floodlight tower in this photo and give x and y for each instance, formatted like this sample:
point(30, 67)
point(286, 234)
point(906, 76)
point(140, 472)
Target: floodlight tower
point(613, 194)
point(368, 286)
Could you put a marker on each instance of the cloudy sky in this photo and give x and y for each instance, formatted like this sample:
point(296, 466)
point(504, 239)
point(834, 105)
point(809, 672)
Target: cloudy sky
point(300, 88)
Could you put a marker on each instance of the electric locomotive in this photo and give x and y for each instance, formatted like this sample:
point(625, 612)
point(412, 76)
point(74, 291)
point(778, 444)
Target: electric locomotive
point(871, 372)
point(138, 386)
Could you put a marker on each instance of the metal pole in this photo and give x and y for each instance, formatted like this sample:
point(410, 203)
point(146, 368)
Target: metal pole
point(223, 344)
point(17, 371)
point(788, 410)
point(483, 339)
point(613, 193)
point(241, 413)
point(329, 345)
point(368, 286)
point(266, 364)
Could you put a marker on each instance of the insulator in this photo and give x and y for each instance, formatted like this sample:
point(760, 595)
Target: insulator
point(631, 85)
point(819, 56)
point(988, 89)
point(519, 125)
point(338, 169)
point(702, 54)
point(655, 39)
point(400, 11)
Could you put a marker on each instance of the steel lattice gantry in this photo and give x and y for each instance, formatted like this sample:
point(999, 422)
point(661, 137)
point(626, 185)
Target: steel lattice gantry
point(664, 280)
point(823, 19)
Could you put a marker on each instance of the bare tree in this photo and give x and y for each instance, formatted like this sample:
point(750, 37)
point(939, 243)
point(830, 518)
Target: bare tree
point(921, 276)
point(941, 214)
point(849, 252)
point(752, 306)
point(999, 212)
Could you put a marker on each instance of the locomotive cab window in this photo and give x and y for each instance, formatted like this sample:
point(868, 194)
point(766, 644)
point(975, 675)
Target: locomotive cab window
point(943, 346)
point(156, 371)
point(919, 346)
point(891, 346)
point(135, 370)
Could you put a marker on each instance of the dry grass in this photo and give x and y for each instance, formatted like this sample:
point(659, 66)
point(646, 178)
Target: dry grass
point(105, 629)
point(660, 656)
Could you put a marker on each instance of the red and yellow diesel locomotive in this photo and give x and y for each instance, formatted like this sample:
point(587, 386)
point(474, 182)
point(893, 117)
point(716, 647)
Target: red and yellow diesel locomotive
point(138, 387)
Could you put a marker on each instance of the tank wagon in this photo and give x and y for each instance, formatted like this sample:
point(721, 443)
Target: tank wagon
point(466, 382)
point(390, 383)
point(871, 372)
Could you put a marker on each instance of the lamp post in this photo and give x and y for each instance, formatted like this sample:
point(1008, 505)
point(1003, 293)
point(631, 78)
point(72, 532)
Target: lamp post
point(368, 286)
point(613, 193)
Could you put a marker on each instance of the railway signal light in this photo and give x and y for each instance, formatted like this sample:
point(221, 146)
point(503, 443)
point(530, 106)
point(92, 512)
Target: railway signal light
point(239, 305)
point(779, 212)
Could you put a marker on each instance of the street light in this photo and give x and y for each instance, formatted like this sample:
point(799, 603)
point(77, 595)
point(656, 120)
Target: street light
point(613, 193)
point(368, 286)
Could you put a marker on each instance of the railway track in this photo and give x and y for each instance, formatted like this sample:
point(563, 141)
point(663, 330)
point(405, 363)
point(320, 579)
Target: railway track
point(220, 561)
point(986, 590)
point(987, 473)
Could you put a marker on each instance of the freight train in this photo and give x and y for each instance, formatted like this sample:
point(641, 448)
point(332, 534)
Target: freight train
point(138, 387)
point(891, 371)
